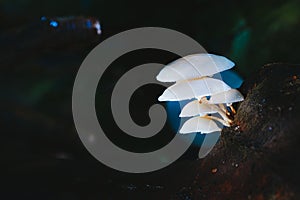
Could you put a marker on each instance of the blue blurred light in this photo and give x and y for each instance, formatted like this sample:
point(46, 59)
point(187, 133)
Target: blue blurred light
point(43, 18)
point(173, 110)
point(231, 78)
point(54, 24)
point(88, 24)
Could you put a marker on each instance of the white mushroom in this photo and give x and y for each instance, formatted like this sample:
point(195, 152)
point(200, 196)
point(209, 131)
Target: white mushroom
point(199, 124)
point(194, 108)
point(230, 96)
point(194, 66)
point(196, 88)
point(191, 74)
point(202, 108)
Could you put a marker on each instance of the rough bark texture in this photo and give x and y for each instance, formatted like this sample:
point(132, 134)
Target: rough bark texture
point(258, 157)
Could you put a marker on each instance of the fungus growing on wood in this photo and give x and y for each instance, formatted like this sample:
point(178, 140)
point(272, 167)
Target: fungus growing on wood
point(210, 97)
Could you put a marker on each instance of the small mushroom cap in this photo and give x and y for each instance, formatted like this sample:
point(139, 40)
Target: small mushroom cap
point(199, 124)
point(194, 66)
point(193, 89)
point(194, 108)
point(230, 96)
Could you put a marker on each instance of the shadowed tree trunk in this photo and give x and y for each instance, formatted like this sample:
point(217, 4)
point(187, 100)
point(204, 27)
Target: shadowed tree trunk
point(258, 157)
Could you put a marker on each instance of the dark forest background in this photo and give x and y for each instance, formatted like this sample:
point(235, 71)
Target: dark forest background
point(40, 151)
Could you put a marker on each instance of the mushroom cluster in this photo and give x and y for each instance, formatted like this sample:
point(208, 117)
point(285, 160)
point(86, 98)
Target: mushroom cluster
point(196, 79)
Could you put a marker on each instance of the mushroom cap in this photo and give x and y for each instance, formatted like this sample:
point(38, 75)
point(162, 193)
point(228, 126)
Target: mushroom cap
point(230, 96)
point(193, 89)
point(194, 108)
point(194, 66)
point(199, 124)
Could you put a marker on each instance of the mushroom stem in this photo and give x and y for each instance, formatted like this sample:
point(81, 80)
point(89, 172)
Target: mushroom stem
point(222, 113)
point(223, 121)
point(221, 110)
point(232, 109)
